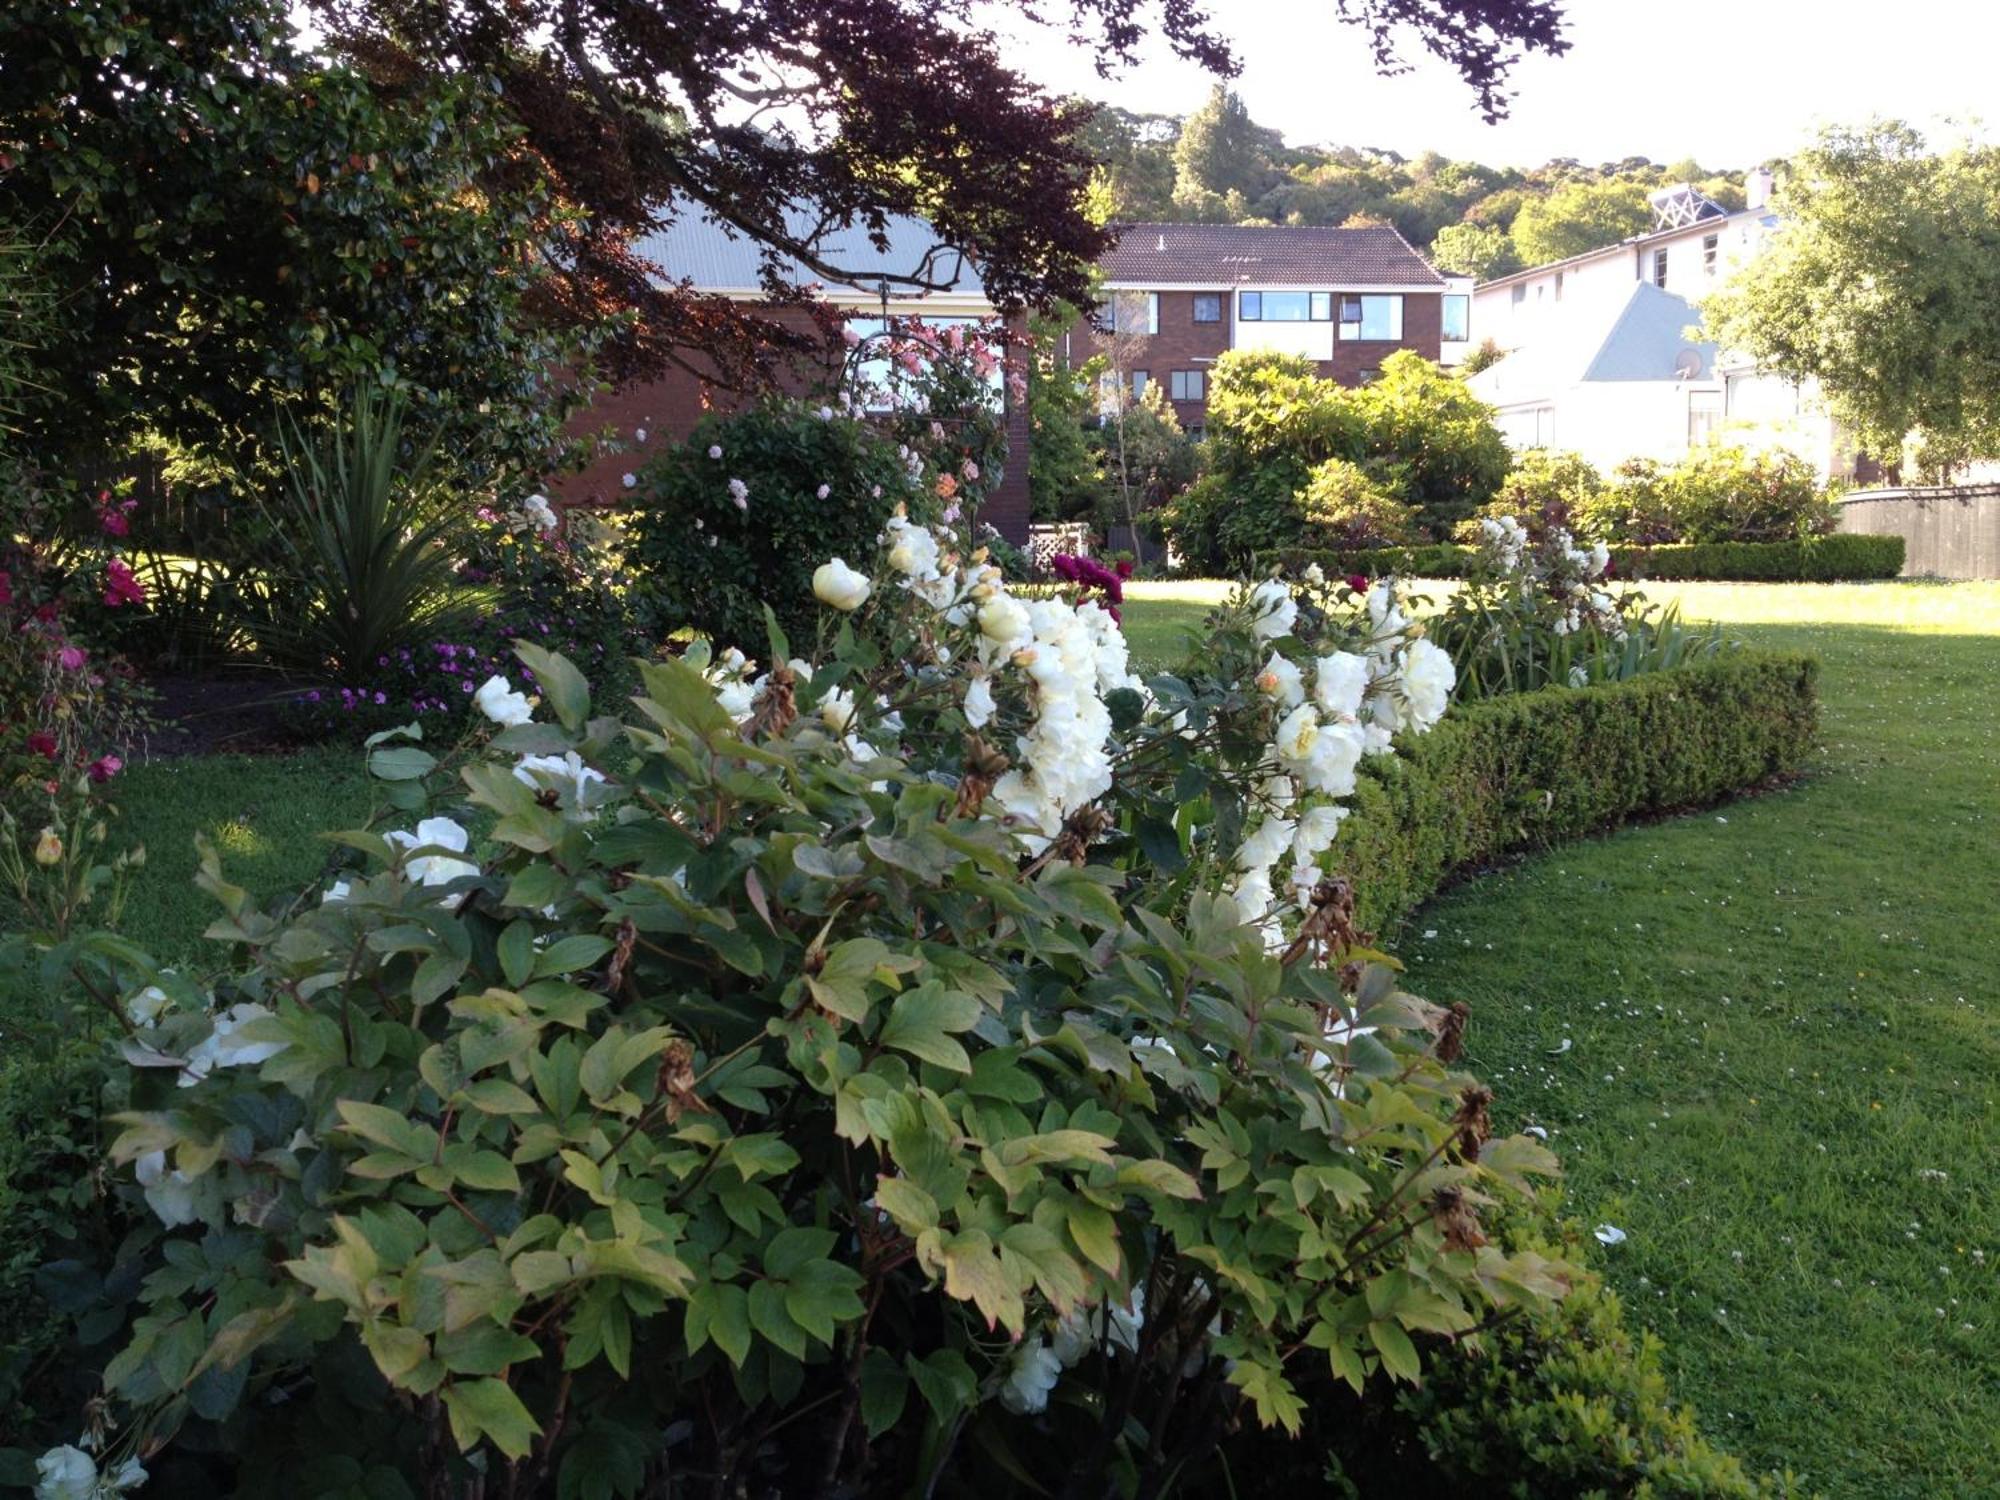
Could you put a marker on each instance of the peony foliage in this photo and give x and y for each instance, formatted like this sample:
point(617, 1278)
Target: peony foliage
point(937, 1050)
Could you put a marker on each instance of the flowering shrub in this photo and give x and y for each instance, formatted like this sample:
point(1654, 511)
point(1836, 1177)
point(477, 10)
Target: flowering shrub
point(751, 502)
point(1546, 488)
point(1714, 494)
point(893, 1054)
point(1541, 611)
point(938, 390)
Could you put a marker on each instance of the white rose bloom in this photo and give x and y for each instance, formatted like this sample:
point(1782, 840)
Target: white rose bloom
point(565, 774)
point(1383, 611)
point(715, 450)
point(1003, 619)
point(1261, 850)
point(174, 1197)
point(146, 1007)
point(1280, 679)
point(68, 1473)
point(226, 1047)
point(498, 700)
point(740, 493)
point(1317, 827)
point(836, 710)
point(1315, 575)
point(979, 702)
point(1335, 753)
point(737, 698)
point(1340, 681)
point(839, 587)
point(1273, 610)
point(1030, 1378)
point(1252, 894)
point(630, 481)
point(435, 869)
point(638, 434)
point(1600, 559)
point(339, 891)
point(823, 491)
point(540, 512)
point(1297, 734)
point(1428, 678)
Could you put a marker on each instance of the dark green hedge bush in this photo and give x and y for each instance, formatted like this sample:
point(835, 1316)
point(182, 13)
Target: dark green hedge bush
point(1824, 559)
point(1510, 773)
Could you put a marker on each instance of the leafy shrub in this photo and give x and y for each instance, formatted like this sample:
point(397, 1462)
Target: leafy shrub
point(1713, 494)
point(756, 1080)
point(1840, 556)
point(1431, 440)
point(1343, 507)
point(1517, 772)
point(1637, 507)
point(1546, 487)
point(811, 486)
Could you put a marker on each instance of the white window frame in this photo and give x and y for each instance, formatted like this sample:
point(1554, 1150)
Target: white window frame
point(1355, 330)
point(1464, 334)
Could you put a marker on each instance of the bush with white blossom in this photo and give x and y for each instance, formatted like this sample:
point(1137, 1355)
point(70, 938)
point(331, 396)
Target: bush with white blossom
point(935, 1048)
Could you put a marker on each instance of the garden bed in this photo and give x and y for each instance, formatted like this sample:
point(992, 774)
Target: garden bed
point(1519, 772)
point(1842, 557)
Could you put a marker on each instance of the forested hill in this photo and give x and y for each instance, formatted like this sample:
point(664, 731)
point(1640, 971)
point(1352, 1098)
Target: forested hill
point(1217, 165)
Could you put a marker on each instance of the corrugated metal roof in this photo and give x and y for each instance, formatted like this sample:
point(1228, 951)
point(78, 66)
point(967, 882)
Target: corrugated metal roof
point(718, 258)
point(1271, 255)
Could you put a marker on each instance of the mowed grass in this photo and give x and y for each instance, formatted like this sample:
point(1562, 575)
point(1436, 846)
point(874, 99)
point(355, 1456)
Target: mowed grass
point(1782, 1030)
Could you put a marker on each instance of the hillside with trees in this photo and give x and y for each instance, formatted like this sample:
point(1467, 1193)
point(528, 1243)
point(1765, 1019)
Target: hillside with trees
point(1218, 165)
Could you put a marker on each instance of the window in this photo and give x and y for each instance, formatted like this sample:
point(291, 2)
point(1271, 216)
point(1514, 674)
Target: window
point(1375, 319)
point(1139, 378)
point(1208, 307)
point(1559, 286)
point(1711, 245)
point(1196, 432)
point(1660, 267)
point(1284, 307)
point(1457, 320)
point(1704, 416)
point(1370, 375)
point(1187, 385)
point(1133, 312)
point(1518, 296)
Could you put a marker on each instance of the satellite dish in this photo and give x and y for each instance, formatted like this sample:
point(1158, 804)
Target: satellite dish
point(1687, 365)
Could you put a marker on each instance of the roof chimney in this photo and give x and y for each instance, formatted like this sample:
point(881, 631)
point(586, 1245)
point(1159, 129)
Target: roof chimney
point(1757, 188)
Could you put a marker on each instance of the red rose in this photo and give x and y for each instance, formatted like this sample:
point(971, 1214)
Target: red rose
point(104, 768)
point(41, 742)
point(1357, 582)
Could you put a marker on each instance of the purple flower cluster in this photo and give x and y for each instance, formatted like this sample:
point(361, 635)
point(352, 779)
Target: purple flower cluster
point(1087, 573)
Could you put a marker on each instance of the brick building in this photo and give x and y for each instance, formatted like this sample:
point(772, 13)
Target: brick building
point(1179, 295)
point(718, 261)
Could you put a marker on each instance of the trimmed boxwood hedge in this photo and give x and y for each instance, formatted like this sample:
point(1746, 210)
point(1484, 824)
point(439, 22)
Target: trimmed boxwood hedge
point(1516, 772)
point(1823, 559)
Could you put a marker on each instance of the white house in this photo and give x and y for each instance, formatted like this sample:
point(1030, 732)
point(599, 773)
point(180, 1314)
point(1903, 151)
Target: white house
point(1603, 355)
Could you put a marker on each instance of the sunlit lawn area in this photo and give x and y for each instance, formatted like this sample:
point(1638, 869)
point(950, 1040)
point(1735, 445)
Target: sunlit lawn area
point(1783, 1027)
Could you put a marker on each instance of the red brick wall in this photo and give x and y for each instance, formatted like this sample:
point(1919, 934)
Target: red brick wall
point(1183, 344)
point(667, 409)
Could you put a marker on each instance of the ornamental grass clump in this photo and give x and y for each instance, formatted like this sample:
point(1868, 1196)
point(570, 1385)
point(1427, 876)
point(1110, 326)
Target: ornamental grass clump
point(934, 1050)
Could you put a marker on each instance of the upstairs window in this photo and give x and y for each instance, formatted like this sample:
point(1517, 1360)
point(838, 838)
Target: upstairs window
point(1371, 319)
point(1711, 248)
point(1457, 319)
point(1208, 307)
point(1660, 268)
point(1139, 378)
point(1132, 312)
point(1187, 385)
point(1518, 296)
point(1285, 307)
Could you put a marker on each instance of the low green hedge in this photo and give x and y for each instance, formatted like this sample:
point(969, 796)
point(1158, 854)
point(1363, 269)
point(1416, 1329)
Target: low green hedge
point(1824, 559)
point(1510, 773)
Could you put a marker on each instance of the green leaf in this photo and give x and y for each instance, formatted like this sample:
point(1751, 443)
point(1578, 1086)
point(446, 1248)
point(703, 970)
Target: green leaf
point(791, 1250)
point(920, 1022)
point(401, 763)
point(769, 1317)
point(1399, 1355)
point(516, 950)
point(945, 1381)
point(489, 1409)
point(885, 1390)
point(567, 955)
point(1095, 1232)
point(562, 687)
point(841, 985)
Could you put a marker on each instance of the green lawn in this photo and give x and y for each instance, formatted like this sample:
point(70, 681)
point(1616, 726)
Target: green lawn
point(1783, 1069)
point(264, 813)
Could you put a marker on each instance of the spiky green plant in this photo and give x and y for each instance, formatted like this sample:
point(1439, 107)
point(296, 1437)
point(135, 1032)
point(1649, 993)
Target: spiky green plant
point(365, 550)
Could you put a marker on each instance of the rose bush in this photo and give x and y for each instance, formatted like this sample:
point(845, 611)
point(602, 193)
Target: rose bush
point(940, 1043)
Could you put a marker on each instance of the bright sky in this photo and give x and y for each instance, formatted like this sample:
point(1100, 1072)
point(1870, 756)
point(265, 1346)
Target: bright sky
point(1729, 84)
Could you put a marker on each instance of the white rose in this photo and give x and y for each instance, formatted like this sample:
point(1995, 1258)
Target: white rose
point(1003, 619)
point(1335, 754)
point(1261, 850)
point(836, 710)
point(1030, 1378)
point(1428, 678)
point(1297, 734)
point(1280, 679)
point(435, 869)
point(1316, 830)
point(146, 1007)
point(1340, 681)
point(1273, 610)
point(979, 702)
point(839, 587)
point(225, 1047)
point(737, 699)
point(500, 703)
point(565, 773)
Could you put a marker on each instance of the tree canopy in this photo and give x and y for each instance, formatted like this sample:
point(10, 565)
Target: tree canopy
point(1883, 287)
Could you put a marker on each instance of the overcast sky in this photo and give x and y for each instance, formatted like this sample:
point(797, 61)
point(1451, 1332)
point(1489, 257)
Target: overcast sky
point(1727, 83)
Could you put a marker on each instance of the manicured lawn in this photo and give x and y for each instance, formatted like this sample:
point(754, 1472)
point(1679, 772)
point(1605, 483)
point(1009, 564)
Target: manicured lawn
point(1783, 1028)
point(263, 813)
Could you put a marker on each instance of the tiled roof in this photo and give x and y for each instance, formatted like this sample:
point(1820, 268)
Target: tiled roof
point(1270, 255)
